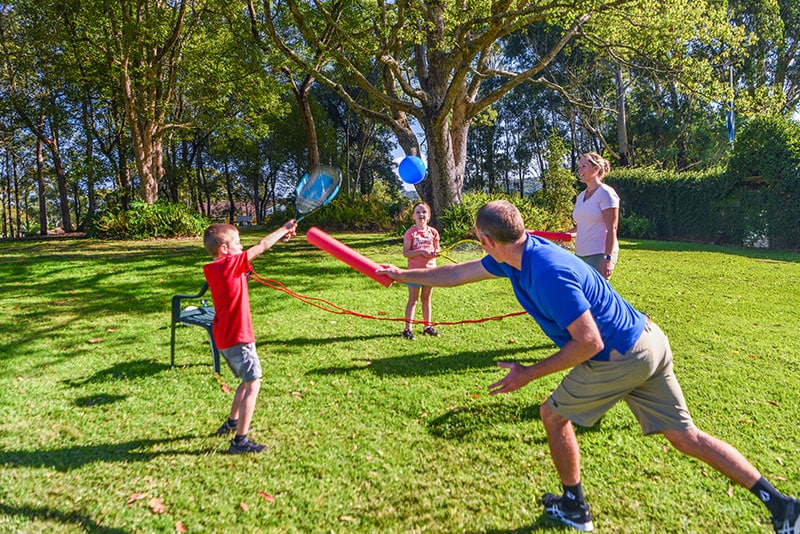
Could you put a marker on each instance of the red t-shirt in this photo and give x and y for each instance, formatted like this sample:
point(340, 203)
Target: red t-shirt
point(227, 279)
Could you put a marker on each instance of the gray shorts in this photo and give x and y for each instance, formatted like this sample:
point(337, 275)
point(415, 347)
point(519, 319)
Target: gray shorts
point(243, 361)
point(643, 377)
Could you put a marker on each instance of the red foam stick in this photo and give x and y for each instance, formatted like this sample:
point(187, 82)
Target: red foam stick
point(342, 252)
point(552, 236)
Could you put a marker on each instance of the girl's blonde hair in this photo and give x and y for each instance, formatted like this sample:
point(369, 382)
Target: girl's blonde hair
point(598, 161)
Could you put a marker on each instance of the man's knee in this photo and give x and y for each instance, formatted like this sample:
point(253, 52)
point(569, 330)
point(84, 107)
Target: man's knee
point(550, 418)
point(685, 440)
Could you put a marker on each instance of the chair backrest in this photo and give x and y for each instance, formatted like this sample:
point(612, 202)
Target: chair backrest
point(176, 302)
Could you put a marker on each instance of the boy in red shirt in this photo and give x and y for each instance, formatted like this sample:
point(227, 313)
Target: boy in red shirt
point(233, 326)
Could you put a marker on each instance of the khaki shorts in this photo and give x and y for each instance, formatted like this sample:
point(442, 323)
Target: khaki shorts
point(643, 377)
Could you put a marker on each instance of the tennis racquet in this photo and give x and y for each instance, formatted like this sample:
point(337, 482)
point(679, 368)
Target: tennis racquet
point(316, 189)
point(462, 251)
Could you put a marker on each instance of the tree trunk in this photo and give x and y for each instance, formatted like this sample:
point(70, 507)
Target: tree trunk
point(41, 187)
point(622, 120)
point(301, 95)
point(88, 157)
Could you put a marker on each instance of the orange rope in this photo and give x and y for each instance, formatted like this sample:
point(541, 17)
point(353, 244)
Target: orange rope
point(324, 305)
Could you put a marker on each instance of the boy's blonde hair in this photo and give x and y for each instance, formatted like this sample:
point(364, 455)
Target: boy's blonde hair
point(217, 235)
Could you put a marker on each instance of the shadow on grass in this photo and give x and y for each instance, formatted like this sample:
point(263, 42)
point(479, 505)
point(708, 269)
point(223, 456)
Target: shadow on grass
point(69, 458)
point(317, 341)
point(422, 364)
point(459, 423)
point(122, 371)
point(85, 522)
point(98, 400)
point(544, 522)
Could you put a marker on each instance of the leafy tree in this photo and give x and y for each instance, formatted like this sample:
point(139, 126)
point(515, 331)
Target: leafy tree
point(768, 70)
point(558, 184)
point(433, 58)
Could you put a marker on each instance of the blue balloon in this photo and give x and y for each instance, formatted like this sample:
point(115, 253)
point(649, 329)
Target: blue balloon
point(412, 170)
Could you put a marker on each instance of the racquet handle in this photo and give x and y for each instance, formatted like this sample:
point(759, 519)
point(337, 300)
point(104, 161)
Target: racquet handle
point(552, 236)
point(342, 252)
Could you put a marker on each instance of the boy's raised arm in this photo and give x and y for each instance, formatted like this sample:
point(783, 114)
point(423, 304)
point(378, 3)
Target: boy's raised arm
point(283, 233)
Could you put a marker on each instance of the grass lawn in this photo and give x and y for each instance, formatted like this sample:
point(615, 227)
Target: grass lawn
point(368, 432)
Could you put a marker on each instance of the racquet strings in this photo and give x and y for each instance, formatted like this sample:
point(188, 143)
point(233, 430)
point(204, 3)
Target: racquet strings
point(463, 251)
point(317, 189)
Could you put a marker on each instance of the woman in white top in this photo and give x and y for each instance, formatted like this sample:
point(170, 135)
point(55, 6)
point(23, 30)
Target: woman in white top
point(596, 216)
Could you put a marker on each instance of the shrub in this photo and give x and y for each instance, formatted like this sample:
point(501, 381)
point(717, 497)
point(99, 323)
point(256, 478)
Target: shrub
point(362, 214)
point(635, 227)
point(144, 221)
point(458, 221)
point(768, 147)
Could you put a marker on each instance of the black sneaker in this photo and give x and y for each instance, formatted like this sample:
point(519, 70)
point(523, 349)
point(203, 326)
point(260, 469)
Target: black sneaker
point(789, 521)
point(408, 334)
point(245, 446)
point(226, 428)
point(429, 331)
point(575, 515)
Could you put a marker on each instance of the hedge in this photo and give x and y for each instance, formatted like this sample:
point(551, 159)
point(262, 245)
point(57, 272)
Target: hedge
point(755, 201)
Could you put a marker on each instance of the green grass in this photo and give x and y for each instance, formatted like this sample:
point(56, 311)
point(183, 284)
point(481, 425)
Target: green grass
point(368, 432)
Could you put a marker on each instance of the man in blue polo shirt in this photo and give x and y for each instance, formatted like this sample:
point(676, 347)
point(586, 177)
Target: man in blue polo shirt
point(613, 352)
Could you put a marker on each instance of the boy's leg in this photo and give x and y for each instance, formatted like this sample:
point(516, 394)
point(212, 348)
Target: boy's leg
point(244, 402)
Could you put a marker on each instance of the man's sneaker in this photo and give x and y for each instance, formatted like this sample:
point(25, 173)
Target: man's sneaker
point(575, 515)
point(789, 521)
point(226, 428)
point(429, 331)
point(408, 334)
point(245, 446)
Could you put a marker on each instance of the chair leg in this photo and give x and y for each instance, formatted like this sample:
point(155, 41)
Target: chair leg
point(215, 354)
point(172, 347)
point(214, 350)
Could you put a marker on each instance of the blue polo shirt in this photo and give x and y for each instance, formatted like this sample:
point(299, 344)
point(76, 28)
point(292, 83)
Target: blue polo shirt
point(555, 287)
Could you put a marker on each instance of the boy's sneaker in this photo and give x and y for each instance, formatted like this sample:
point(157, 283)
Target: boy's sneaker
point(226, 428)
point(429, 331)
point(408, 334)
point(245, 446)
point(573, 514)
point(789, 521)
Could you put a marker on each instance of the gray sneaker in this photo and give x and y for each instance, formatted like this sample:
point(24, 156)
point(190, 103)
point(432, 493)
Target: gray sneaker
point(245, 446)
point(575, 515)
point(789, 521)
point(226, 428)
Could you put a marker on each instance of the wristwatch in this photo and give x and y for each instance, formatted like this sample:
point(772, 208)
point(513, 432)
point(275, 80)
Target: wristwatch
point(607, 257)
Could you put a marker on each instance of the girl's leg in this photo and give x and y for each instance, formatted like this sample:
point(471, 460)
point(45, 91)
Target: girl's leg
point(411, 307)
point(426, 304)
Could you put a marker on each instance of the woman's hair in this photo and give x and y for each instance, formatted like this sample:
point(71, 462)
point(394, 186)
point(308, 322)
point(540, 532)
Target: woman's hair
point(216, 235)
point(501, 221)
point(598, 161)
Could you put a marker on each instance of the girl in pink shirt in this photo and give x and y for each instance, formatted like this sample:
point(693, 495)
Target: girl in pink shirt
point(420, 246)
